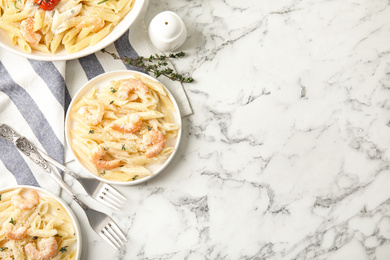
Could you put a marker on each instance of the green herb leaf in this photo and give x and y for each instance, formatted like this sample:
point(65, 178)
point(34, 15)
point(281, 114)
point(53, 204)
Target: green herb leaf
point(12, 221)
point(16, 6)
point(63, 249)
point(149, 128)
point(3, 248)
point(103, 173)
point(101, 2)
point(113, 90)
point(35, 237)
point(111, 102)
point(156, 64)
point(0, 196)
point(91, 131)
point(135, 177)
point(123, 147)
point(56, 235)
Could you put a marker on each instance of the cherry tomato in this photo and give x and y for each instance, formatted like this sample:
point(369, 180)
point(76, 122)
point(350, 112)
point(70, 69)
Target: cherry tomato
point(47, 4)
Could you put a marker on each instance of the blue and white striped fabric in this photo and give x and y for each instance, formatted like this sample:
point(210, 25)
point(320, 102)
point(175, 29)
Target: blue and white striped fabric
point(33, 101)
point(35, 95)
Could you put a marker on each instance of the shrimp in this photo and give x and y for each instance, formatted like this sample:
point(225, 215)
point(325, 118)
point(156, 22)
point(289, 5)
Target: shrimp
point(129, 124)
point(96, 157)
point(95, 22)
point(49, 249)
point(131, 85)
point(27, 31)
point(28, 203)
point(92, 119)
point(157, 139)
point(18, 234)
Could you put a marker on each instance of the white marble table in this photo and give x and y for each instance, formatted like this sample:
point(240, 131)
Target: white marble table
point(287, 153)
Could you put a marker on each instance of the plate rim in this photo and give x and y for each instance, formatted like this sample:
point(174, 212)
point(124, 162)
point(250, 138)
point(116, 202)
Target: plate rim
point(80, 93)
point(63, 203)
point(116, 33)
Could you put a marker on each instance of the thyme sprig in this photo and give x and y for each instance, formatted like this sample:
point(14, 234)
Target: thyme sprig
point(155, 63)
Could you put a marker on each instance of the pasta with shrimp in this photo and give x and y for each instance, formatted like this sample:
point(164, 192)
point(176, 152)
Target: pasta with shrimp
point(71, 24)
point(119, 130)
point(31, 221)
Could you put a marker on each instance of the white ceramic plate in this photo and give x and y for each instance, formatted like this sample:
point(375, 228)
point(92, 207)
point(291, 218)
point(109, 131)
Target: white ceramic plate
point(102, 81)
point(46, 193)
point(117, 32)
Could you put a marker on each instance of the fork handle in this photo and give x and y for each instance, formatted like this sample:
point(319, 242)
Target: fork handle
point(31, 152)
point(58, 165)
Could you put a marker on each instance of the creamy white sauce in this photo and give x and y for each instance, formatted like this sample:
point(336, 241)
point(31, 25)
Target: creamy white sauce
point(30, 8)
point(60, 20)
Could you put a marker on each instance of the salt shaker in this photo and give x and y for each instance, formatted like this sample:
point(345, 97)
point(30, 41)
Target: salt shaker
point(167, 31)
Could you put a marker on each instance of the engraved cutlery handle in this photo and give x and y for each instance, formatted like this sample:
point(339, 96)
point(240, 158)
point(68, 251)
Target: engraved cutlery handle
point(31, 152)
point(8, 133)
point(58, 165)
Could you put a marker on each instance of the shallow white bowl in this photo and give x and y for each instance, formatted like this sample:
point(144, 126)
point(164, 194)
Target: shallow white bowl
point(63, 203)
point(117, 32)
point(102, 81)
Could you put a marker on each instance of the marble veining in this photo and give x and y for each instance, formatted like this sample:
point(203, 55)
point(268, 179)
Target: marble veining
point(287, 153)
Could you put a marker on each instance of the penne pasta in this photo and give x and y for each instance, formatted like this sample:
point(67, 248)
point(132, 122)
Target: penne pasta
point(121, 129)
point(72, 25)
point(34, 221)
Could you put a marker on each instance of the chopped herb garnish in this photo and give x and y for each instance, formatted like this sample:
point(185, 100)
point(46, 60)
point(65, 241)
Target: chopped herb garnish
point(123, 147)
point(122, 165)
point(111, 102)
point(135, 177)
point(72, 11)
point(149, 128)
point(113, 90)
point(16, 6)
point(91, 131)
point(56, 235)
point(0, 196)
point(12, 221)
point(101, 2)
point(63, 249)
point(35, 237)
point(3, 248)
point(103, 173)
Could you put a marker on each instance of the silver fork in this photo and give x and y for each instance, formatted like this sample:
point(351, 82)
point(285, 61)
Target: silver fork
point(98, 190)
point(99, 221)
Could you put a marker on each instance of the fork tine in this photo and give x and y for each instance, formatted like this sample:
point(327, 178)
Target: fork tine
point(103, 234)
point(102, 200)
point(114, 234)
point(113, 199)
point(118, 230)
point(115, 193)
point(114, 237)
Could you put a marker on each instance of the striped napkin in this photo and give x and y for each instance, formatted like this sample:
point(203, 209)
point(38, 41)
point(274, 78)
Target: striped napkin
point(35, 95)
